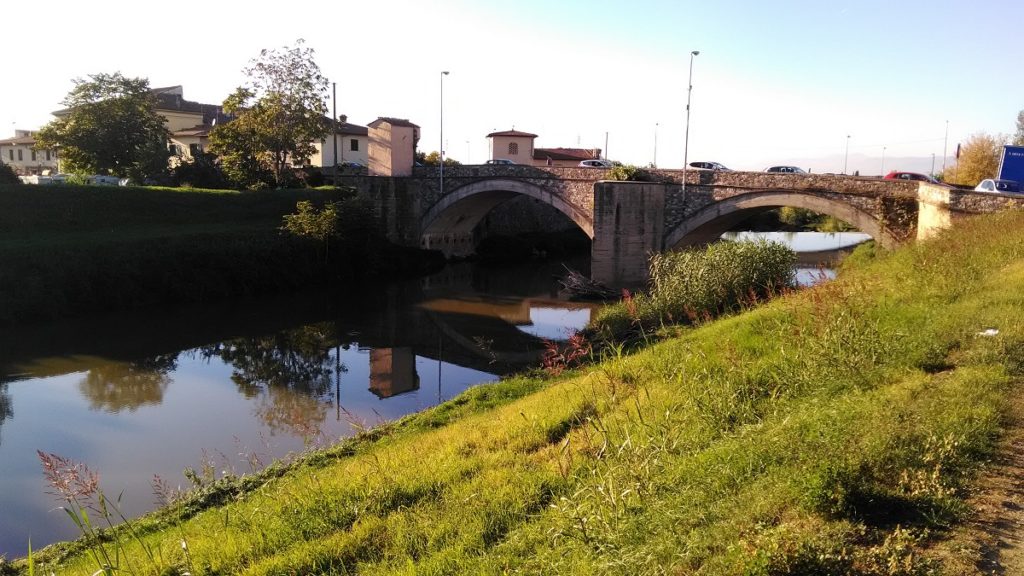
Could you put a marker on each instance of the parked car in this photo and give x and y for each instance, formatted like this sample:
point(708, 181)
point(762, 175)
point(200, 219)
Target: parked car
point(351, 164)
point(894, 175)
point(1000, 186)
point(786, 170)
point(596, 163)
point(709, 166)
point(500, 161)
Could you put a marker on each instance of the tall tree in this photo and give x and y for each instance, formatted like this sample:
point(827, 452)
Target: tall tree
point(110, 126)
point(1018, 138)
point(979, 159)
point(279, 116)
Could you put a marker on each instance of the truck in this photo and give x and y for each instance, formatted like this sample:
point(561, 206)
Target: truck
point(1011, 164)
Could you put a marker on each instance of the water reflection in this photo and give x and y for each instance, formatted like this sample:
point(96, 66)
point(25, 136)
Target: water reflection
point(297, 358)
point(116, 386)
point(279, 374)
point(6, 408)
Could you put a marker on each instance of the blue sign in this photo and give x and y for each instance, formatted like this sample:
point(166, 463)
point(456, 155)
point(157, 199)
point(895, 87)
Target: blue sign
point(1011, 165)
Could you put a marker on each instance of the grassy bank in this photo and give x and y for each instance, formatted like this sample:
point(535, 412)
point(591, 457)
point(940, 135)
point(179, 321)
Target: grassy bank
point(833, 431)
point(66, 250)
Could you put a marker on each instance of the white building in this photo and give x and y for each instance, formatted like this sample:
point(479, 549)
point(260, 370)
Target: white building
point(20, 153)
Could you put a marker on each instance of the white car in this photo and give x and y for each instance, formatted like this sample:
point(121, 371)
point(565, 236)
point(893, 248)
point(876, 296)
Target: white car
point(998, 186)
point(596, 163)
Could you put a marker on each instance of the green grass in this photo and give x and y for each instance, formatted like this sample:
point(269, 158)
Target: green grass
point(833, 431)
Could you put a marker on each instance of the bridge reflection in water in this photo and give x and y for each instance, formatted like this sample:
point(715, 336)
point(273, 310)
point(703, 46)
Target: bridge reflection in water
point(151, 392)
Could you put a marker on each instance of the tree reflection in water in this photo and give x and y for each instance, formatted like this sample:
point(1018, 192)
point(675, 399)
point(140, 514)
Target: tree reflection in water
point(6, 406)
point(116, 386)
point(290, 371)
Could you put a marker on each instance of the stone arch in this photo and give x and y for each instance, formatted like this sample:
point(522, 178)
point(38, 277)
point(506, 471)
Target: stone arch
point(710, 222)
point(457, 213)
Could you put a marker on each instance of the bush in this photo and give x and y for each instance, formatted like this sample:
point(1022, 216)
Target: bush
point(8, 175)
point(202, 171)
point(629, 173)
point(698, 284)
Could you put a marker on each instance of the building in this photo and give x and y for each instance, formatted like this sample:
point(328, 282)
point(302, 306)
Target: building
point(21, 155)
point(353, 146)
point(518, 147)
point(188, 122)
point(392, 146)
point(564, 156)
point(512, 145)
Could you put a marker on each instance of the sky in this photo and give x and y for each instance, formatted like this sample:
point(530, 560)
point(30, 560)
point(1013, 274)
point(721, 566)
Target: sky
point(875, 85)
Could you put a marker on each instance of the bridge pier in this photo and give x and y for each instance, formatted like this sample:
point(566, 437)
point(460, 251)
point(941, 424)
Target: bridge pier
point(629, 224)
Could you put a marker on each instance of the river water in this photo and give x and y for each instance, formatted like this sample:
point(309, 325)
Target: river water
point(232, 387)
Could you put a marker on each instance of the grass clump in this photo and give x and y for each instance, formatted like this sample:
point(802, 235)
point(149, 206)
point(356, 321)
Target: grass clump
point(698, 284)
point(832, 431)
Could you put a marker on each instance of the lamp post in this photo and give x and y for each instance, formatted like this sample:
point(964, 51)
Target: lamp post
point(655, 162)
point(883, 161)
point(846, 157)
point(686, 141)
point(441, 143)
point(945, 143)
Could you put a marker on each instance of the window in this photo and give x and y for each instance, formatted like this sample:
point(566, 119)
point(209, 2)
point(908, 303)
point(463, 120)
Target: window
point(10, 154)
point(194, 150)
point(173, 149)
point(33, 155)
point(513, 148)
point(353, 145)
point(20, 155)
point(47, 155)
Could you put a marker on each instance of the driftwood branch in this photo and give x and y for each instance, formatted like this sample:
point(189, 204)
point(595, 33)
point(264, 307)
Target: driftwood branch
point(580, 287)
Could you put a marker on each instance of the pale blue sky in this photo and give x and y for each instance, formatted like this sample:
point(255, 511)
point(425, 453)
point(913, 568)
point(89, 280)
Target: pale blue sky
point(775, 81)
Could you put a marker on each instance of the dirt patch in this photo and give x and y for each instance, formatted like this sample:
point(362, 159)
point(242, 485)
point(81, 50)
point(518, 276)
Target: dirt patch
point(992, 540)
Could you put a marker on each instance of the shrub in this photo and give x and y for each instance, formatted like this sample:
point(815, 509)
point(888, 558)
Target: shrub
point(8, 175)
point(629, 173)
point(202, 171)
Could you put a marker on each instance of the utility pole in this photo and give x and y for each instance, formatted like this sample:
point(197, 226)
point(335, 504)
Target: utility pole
point(334, 129)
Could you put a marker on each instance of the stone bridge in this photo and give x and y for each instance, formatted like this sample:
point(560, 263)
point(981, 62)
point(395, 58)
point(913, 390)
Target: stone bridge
point(628, 220)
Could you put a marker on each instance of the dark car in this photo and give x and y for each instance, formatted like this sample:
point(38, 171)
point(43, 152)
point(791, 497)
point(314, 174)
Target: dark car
point(786, 169)
point(709, 166)
point(894, 175)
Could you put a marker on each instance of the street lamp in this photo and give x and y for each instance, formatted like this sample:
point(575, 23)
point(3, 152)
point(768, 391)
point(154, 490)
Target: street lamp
point(441, 143)
point(883, 161)
point(655, 163)
point(686, 141)
point(846, 158)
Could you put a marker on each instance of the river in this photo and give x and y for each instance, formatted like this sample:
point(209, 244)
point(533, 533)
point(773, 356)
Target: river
point(230, 388)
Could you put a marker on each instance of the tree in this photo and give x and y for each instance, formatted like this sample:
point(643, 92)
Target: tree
point(1018, 138)
point(279, 116)
point(979, 159)
point(110, 127)
point(434, 159)
point(8, 175)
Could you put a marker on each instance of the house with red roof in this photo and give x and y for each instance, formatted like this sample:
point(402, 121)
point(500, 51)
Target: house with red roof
point(518, 147)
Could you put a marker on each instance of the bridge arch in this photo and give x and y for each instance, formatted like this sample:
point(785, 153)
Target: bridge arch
point(459, 211)
point(710, 222)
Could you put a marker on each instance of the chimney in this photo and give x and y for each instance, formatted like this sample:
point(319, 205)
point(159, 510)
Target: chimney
point(342, 118)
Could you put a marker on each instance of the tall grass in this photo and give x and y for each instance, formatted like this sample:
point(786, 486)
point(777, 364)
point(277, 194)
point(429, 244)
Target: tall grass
point(832, 431)
point(698, 284)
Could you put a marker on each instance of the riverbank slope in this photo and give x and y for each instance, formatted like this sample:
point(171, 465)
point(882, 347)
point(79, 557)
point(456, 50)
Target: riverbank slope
point(836, 430)
point(67, 250)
